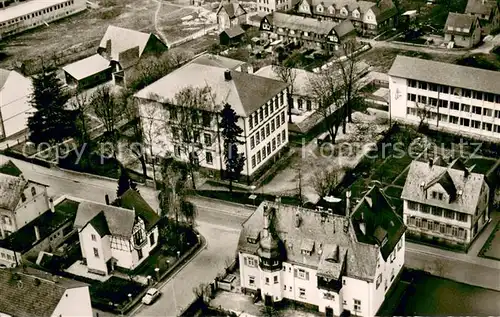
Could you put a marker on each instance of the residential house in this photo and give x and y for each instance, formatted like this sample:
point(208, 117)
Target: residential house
point(15, 107)
point(230, 14)
point(487, 11)
point(45, 233)
point(456, 98)
point(310, 32)
point(21, 200)
point(462, 29)
point(339, 264)
point(231, 35)
point(27, 294)
point(116, 236)
point(88, 72)
point(223, 62)
point(270, 6)
point(369, 18)
point(124, 48)
point(445, 203)
point(23, 16)
point(259, 103)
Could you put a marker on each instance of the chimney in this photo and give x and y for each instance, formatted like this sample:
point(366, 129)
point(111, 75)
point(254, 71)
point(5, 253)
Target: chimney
point(51, 205)
point(108, 48)
point(466, 172)
point(37, 233)
point(347, 203)
point(431, 162)
point(297, 220)
point(106, 197)
point(227, 75)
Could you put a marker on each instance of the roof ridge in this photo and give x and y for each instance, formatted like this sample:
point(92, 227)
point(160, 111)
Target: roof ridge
point(43, 279)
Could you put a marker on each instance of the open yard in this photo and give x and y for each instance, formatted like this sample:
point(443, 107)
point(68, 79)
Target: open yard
point(78, 36)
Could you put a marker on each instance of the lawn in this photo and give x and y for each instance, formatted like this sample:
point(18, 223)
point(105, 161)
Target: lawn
point(391, 168)
point(482, 165)
point(431, 296)
point(114, 292)
point(491, 248)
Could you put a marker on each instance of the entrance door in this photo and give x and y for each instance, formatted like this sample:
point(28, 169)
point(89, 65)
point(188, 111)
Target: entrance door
point(329, 312)
point(268, 300)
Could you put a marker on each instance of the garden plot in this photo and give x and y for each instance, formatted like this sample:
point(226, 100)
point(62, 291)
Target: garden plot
point(183, 21)
point(348, 151)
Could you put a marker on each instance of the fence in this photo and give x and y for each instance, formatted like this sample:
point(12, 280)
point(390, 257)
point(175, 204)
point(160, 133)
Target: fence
point(193, 36)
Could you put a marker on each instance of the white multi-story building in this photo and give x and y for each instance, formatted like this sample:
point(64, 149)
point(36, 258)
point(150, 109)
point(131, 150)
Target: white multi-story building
point(116, 236)
point(336, 263)
point(269, 6)
point(21, 200)
point(22, 16)
point(445, 202)
point(456, 98)
point(260, 104)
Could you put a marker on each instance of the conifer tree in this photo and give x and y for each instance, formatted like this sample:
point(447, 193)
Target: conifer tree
point(231, 133)
point(51, 122)
point(125, 183)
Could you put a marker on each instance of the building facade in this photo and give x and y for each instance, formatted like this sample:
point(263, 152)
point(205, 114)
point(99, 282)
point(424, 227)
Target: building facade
point(487, 11)
point(22, 16)
point(112, 236)
point(462, 29)
point(21, 200)
point(305, 31)
point(336, 263)
point(454, 98)
point(230, 14)
point(445, 202)
point(270, 6)
point(369, 18)
point(261, 115)
point(15, 107)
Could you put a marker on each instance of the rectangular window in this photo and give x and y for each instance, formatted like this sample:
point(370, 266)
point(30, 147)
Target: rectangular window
point(465, 122)
point(422, 85)
point(253, 161)
point(276, 279)
point(267, 281)
point(477, 95)
point(208, 139)
point(261, 114)
point(252, 142)
point(268, 130)
point(283, 136)
point(152, 239)
point(209, 158)
point(422, 99)
point(430, 225)
point(487, 126)
point(266, 111)
point(263, 133)
point(96, 252)
point(412, 205)
point(93, 237)
point(412, 97)
point(489, 97)
point(466, 93)
point(278, 139)
point(281, 99)
point(302, 292)
point(251, 280)
point(475, 124)
point(454, 231)
point(274, 144)
point(257, 137)
point(454, 105)
point(273, 127)
point(276, 103)
point(418, 222)
point(412, 83)
point(256, 120)
point(465, 108)
point(487, 112)
point(461, 217)
point(442, 228)
point(357, 305)
point(450, 214)
point(258, 157)
point(453, 119)
point(264, 154)
point(476, 110)
point(283, 117)
point(443, 103)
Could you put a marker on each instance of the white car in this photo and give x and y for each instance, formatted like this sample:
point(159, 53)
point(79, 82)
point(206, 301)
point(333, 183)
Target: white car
point(151, 295)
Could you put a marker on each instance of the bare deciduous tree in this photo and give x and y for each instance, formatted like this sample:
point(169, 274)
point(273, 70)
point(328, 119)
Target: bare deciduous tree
point(324, 182)
point(80, 102)
point(288, 74)
point(424, 113)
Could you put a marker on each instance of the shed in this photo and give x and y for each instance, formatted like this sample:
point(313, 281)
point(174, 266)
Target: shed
point(231, 35)
point(88, 72)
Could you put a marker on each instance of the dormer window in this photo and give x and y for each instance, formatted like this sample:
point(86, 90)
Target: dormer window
point(292, 32)
point(280, 29)
point(355, 14)
point(33, 191)
point(331, 10)
point(306, 34)
point(344, 12)
point(319, 8)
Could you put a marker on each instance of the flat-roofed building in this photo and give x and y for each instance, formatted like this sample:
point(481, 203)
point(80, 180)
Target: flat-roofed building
point(31, 14)
point(459, 99)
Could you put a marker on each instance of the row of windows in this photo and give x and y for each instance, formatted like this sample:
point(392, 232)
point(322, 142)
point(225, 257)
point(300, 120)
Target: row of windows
point(7, 256)
point(438, 227)
point(265, 111)
point(453, 105)
point(193, 117)
point(436, 211)
point(455, 120)
point(267, 130)
point(207, 137)
point(38, 13)
point(261, 155)
point(467, 93)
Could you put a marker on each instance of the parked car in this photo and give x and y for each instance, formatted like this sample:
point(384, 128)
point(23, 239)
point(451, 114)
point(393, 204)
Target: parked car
point(151, 295)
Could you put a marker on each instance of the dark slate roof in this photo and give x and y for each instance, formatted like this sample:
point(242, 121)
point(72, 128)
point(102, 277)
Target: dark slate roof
point(385, 10)
point(100, 224)
point(23, 239)
point(120, 221)
point(296, 22)
point(360, 258)
point(234, 31)
point(344, 28)
point(431, 71)
point(480, 6)
point(458, 164)
point(421, 174)
point(460, 21)
point(11, 188)
point(10, 168)
point(444, 179)
point(244, 92)
point(381, 221)
point(132, 200)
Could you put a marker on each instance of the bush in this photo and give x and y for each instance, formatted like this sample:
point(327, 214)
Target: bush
point(114, 291)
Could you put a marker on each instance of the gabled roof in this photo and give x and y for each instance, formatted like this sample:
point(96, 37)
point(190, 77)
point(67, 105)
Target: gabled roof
point(218, 61)
point(123, 39)
point(100, 224)
point(386, 8)
point(421, 176)
point(234, 31)
point(11, 188)
point(132, 200)
point(9, 168)
point(480, 6)
point(231, 9)
point(120, 221)
point(244, 92)
point(87, 67)
point(295, 22)
point(381, 222)
point(344, 28)
point(462, 24)
point(301, 85)
point(431, 71)
point(361, 258)
point(23, 295)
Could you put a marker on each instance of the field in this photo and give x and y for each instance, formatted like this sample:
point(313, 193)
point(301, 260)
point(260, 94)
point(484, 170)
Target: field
point(78, 36)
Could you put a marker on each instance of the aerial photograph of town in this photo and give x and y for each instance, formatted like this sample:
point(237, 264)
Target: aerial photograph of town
point(245, 158)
